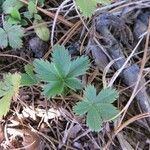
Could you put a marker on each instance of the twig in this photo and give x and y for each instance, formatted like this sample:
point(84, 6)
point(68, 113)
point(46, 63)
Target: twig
point(48, 13)
point(55, 20)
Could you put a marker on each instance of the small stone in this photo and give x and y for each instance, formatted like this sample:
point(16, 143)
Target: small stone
point(38, 47)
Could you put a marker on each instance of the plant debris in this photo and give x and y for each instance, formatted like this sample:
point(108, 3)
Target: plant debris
point(102, 47)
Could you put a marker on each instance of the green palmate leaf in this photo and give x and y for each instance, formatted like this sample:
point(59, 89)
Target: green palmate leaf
point(4, 105)
point(105, 113)
point(79, 66)
point(108, 95)
point(8, 89)
point(9, 5)
point(15, 40)
point(90, 93)
point(81, 108)
point(93, 119)
point(41, 2)
point(42, 31)
point(45, 71)
point(29, 70)
point(61, 59)
point(55, 73)
point(28, 78)
point(52, 89)
point(97, 108)
point(73, 83)
point(87, 7)
point(7, 36)
point(23, 22)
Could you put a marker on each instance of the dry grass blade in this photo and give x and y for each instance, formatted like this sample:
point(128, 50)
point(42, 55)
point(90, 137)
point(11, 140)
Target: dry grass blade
point(146, 104)
point(48, 13)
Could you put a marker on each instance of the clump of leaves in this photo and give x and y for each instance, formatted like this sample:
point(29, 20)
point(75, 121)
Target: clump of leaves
point(28, 78)
point(98, 108)
point(14, 17)
point(7, 36)
point(61, 73)
point(10, 5)
point(41, 31)
point(87, 7)
point(12, 9)
point(8, 89)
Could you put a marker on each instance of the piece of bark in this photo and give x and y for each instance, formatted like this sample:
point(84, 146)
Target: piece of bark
point(100, 58)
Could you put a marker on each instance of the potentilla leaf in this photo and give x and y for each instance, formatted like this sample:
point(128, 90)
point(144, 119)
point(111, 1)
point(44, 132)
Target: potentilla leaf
point(107, 95)
point(9, 5)
point(107, 111)
point(90, 93)
point(93, 120)
point(61, 59)
point(45, 70)
point(28, 78)
point(11, 34)
point(55, 74)
point(29, 70)
point(15, 40)
point(73, 83)
point(98, 108)
point(8, 89)
point(81, 108)
point(5, 105)
point(79, 66)
point(52, 89)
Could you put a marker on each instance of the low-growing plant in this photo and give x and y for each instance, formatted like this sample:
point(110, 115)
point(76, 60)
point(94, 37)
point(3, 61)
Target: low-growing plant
point(11, 9)
point(41, 31)
point(61, 72)
point(9, 88)
point(97, 107)
point(56, 76)
point(9, 5)
point(28, 78)
point(7, 36)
